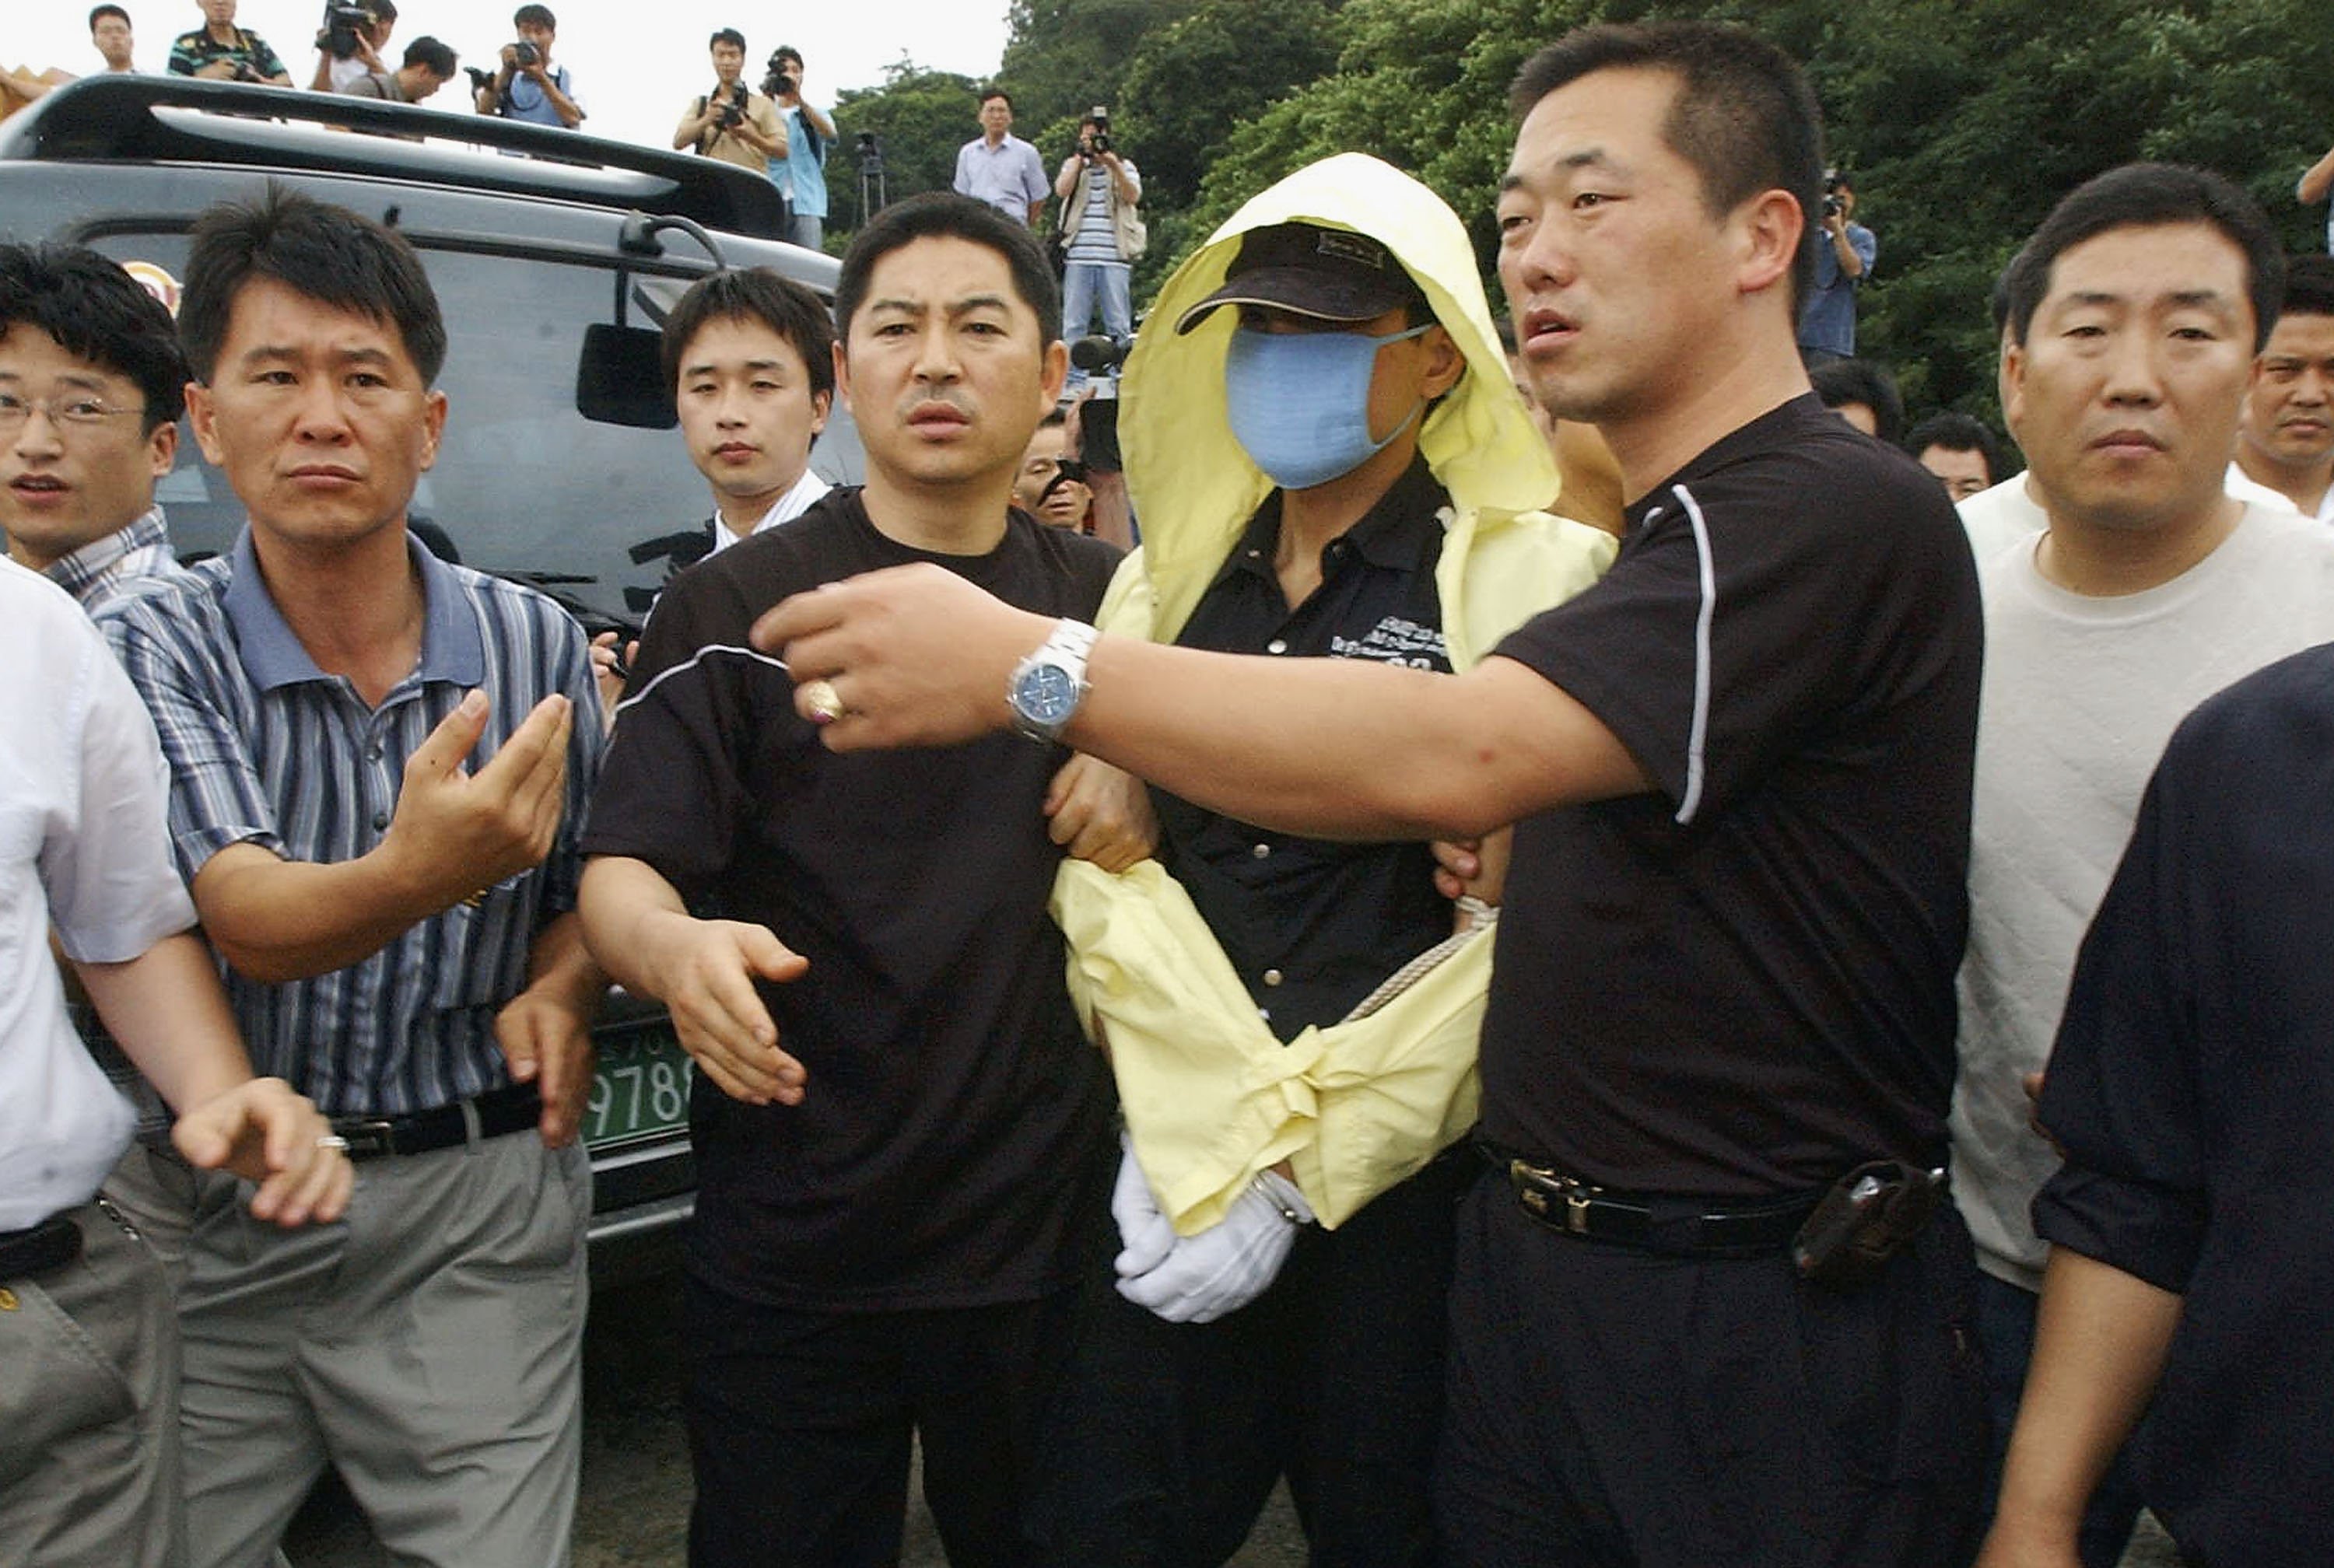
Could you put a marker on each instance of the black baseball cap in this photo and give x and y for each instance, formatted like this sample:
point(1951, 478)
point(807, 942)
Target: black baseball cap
point(1332, 274)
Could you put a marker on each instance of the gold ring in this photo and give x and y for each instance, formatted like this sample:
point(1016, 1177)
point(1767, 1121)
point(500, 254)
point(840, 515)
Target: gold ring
point(824, 704)
point(333, 1141)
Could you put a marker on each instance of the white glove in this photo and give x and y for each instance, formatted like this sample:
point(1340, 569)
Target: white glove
point(1227, 1265)
point(1147, 1235)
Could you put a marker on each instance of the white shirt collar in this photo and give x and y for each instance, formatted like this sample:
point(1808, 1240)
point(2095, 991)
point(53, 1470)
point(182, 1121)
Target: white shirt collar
point(785, 509)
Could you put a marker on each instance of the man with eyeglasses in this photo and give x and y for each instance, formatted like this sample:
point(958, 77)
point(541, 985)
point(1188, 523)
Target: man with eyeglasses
point(91, 384)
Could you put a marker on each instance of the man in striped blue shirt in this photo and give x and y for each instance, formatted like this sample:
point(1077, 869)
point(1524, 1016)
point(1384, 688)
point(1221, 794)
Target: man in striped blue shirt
point(377, 786)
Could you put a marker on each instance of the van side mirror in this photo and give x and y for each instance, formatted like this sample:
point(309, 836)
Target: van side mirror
point(620, 377)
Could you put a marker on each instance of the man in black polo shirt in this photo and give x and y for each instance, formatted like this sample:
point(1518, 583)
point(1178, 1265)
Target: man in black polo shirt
point(1742, 764)
point(900, 1129)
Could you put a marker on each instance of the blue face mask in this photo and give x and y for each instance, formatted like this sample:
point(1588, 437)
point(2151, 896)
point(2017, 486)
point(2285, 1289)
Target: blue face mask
point(1299, 402)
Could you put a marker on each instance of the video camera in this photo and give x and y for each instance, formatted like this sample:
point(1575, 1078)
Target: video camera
point(1098, 354)
point(777, 81)
point(343, 24)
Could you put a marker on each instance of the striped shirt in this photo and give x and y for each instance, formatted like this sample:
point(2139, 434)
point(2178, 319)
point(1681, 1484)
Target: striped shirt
point(267, 748)
point(190, 51)
point(1095, 242)
point(127, 561)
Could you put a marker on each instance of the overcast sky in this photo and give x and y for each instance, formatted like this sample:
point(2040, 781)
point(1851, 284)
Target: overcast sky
point(636, 66)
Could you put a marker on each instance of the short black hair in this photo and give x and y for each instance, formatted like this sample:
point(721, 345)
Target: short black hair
point(97, 11)
point(1840, 382)
point(1055, 420)
point(941, 214)
point(988, 92)
point(1744, 115)
point(439, 57)
point(2309, 285)
point(1956, 432)
point(2151, 196)
point(325, 253)
point(534, 16)
point(785, 52)
point(1998, 302)
point(382, 10)
point(755, 294)
point(98, 313)
point(729, 35)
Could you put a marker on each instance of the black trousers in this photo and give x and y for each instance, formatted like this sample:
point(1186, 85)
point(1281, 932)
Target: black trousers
point(1613, 1409)
point(1169, 1436)
point(799, 1424)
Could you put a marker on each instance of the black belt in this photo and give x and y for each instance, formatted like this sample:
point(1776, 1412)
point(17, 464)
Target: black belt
point(1678, 1226)
point(50, 1245)
point(490, 1115)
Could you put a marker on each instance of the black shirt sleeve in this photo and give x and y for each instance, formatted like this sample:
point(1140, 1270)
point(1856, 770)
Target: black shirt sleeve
point(2119, 1095)
point(673, 790)
point(1756, 606)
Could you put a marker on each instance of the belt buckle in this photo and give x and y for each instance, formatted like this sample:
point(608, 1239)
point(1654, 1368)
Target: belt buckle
point(367, 1135)
point(1537, 1188)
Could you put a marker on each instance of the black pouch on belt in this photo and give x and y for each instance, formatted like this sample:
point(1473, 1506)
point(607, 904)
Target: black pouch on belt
point(1865, 1218)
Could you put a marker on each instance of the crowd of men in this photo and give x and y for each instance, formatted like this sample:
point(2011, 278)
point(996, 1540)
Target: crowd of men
point(776, 132)
point(1797, 1034)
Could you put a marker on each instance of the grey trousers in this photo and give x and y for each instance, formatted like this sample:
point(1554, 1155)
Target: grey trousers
point(427, 1347)
point(89, 1443)
point(156, 1189)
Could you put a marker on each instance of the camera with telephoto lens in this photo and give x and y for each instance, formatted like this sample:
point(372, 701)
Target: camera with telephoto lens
point(1100, 141)
point(524, 54)
point(343, 25)
point(729, 112)
point(778, 81)
point(1832, 204)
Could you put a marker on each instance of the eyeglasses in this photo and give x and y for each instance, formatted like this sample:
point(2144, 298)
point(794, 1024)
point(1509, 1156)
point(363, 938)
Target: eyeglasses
point(74, 413)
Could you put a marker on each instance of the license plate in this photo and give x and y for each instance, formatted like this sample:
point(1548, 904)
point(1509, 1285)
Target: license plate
point(642, 1088)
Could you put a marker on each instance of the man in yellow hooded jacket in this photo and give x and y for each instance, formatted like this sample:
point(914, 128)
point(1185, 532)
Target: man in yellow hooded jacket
point(1329, 460)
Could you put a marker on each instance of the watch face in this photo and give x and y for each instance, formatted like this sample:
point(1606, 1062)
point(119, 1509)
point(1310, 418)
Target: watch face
point(1047, 695)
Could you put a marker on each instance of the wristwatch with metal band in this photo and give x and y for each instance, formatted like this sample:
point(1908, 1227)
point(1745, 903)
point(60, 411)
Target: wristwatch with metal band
point(1048, 685)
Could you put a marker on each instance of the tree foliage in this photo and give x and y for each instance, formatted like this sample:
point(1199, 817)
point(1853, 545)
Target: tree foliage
point(1062, 57)
point(1963, 120)
point(919, 118)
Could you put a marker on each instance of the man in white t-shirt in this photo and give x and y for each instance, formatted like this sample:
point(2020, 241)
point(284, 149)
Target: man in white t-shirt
point(2286, 441)
point(2134, 317)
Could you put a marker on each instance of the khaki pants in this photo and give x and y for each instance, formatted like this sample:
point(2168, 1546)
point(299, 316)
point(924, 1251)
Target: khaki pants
point(427, 1347)
point(88, 1442)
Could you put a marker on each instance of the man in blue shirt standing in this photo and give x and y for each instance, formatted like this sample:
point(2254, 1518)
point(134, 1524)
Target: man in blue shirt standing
point(1844, 250)
point(529, 87)
point(802, 178)
point(999, 167)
